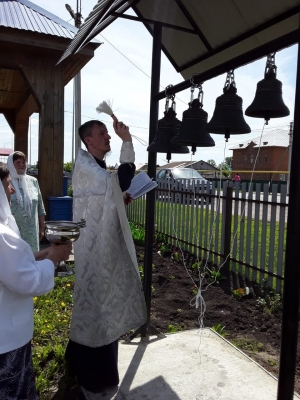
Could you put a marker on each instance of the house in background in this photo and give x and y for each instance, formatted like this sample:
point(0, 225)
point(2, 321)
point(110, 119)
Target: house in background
point(272, 160)
point(141, 167)
point(207, 170)
point(4, 153)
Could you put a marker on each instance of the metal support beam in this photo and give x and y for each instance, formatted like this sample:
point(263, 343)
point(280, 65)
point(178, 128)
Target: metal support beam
point(237, 62)
point(146, 330)
point(290, 315)
point(152, 21)
point(150, 201)
point(189, 17)
point(77, 109)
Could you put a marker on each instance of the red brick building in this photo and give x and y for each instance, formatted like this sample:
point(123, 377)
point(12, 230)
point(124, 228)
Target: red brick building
point(269, 155)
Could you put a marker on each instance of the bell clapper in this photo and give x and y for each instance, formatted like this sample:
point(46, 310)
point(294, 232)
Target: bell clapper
point(227, 135)
point(194, 148)
point(168, 156)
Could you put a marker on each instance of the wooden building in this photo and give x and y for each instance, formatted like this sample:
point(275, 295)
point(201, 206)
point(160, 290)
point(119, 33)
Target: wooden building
point(32, 40)
point(271, 154)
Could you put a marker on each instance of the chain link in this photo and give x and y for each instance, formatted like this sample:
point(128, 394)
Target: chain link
point(229, 80)
point(270, 65)
point(169, 97)
point(196, 86)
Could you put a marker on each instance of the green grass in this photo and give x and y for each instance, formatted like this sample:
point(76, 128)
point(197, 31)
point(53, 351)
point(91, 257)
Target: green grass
point(52, 316)
point(247, 344)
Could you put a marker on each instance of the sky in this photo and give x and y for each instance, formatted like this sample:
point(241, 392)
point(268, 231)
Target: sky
point(120, 71)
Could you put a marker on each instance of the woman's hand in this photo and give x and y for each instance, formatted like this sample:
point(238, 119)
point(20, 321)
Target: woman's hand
point(121, 130)
point(59, 252)
point(41, 226)
point(56, 252)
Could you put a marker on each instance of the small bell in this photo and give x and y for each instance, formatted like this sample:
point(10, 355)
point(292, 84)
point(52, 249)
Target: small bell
point(193, 127)
point(268, 102)
point(167, 128)
point(228, 116)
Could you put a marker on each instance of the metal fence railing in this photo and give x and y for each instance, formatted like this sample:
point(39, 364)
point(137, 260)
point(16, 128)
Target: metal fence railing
point(217, 223)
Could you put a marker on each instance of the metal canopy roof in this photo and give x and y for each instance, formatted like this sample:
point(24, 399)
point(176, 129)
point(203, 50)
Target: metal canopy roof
point(200, 35)
point(22, 14)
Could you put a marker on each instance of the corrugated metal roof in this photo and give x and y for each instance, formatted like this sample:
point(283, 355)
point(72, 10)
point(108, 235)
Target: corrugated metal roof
point(24, 15)
point(276, 137)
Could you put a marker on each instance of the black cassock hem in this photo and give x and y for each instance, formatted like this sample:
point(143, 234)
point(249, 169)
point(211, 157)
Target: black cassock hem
point(95, 367)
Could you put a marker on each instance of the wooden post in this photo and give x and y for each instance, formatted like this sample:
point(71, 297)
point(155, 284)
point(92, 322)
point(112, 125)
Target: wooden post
point(50, 95)
point(21, 134)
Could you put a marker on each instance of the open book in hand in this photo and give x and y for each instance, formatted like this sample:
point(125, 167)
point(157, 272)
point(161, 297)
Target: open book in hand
point(140, 185)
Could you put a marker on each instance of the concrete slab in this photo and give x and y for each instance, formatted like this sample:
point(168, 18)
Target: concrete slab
point(186, 366)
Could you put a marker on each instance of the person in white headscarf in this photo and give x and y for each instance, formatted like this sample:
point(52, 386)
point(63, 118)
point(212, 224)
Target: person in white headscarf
point(108, 296)
point(26, 203)
point(23, 275)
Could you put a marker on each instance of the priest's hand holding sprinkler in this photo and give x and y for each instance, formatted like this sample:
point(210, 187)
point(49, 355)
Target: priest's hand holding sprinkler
point(120, 129)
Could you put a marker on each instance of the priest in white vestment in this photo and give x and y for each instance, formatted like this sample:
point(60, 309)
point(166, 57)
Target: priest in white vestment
point(108, 296)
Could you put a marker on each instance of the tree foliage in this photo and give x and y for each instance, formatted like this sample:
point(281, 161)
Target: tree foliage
point(68, 166)
point(228, 161)
point(226, 171)
point(212, 162)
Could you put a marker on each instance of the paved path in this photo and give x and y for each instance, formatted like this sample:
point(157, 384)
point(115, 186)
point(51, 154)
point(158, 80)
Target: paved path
point(185, 366)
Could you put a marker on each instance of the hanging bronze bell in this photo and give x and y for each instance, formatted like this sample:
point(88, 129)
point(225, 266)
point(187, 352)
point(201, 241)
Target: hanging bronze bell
point(168, 127)
point(193, 128)
point(228, 115)
point(268, 102)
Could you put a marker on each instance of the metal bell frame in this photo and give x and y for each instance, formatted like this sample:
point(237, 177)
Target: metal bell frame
point(167, 128)
point(268, 102)
point(194, 120)
point(222, 122)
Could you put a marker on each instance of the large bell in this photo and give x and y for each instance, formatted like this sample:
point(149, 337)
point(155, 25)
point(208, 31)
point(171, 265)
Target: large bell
point(268, 102)
point(168, 127)
point(193, 127)
point(228, 115)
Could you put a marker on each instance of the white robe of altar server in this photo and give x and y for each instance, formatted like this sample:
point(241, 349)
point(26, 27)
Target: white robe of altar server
point(108, 296)
point(21, 278)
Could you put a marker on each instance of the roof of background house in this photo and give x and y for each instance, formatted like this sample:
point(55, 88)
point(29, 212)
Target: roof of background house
point(5, 151)
point(141, 166)
point(24, 15)
point(177, 164)
point(184, 164)
point(274, 138)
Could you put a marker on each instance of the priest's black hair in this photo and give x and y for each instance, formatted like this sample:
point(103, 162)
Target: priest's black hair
point(86, 129)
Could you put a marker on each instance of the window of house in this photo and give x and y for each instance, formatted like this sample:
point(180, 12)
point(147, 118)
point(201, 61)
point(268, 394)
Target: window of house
point(265, 157)
point(251, 158)
point(245, 158)
point(258, 159)
point(264, 177)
